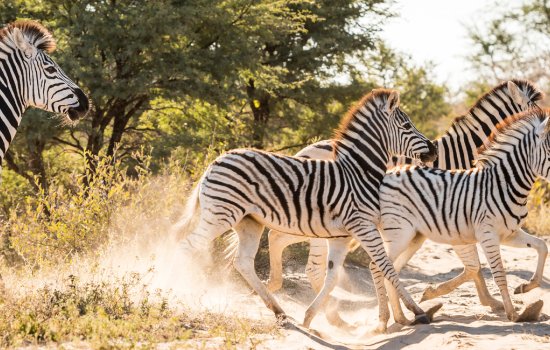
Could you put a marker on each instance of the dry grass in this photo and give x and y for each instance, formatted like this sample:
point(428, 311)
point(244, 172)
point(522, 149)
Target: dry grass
point(120, 313)
point(95, 267)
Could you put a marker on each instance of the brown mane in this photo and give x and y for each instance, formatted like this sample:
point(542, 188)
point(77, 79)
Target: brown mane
point(35, 33)
point(349, 116)
point(507, 123)
point(532, 92)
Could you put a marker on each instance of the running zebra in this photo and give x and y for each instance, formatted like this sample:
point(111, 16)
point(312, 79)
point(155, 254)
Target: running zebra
point(29, 77)
point(457, 149)
point(246, 190)
point(485, 204)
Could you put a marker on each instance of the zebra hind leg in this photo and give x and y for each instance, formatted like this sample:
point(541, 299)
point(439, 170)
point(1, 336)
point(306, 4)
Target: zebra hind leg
point(472, 270)
point(338, 249)
point(250, 232)
point(521, 239)
point(316, 269)
point(278, 241)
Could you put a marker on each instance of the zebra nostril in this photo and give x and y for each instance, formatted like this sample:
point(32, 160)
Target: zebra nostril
point(70, 96)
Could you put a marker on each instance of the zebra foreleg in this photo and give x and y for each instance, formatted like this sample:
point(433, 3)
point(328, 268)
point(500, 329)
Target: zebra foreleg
point(278, 241)
point(371, 241)
point(250, 232)
point(490, 244)
point(338, 248)
point(401, 244)
point(383, 310)
point(521, 239)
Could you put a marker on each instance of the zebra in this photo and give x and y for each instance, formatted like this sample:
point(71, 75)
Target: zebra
point(485, 204)
point(247, 189)
point(457, 149)
point(30, 78)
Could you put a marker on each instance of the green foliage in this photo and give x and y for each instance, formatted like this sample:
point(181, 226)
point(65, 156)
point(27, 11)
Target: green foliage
point(510, 44)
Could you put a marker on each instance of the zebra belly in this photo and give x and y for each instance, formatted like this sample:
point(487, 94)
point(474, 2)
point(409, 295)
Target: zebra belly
point(314, 228)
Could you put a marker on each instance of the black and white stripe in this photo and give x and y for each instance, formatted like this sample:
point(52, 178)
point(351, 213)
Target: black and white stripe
point(457, 149)
point(485, 204)
point(336, 199)
point(30, 78)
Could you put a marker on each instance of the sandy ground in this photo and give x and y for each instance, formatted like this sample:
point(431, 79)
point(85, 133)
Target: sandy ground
point(462, 322)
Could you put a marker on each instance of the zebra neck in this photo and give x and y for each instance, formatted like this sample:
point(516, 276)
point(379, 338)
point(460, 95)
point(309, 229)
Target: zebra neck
point(12, 105)
point(367, 158)
point(512, 179)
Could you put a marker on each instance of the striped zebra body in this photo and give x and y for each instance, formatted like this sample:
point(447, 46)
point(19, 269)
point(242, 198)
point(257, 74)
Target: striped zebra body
point(246, 190)
point(30, 78)
point(457, 149)
point(485, 204)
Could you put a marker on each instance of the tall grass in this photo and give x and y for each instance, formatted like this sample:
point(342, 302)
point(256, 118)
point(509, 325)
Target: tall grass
point(78, 263)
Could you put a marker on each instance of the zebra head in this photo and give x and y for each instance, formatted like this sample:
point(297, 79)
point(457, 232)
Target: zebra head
point(541, 154)
point(404, 138)
point(43, 83)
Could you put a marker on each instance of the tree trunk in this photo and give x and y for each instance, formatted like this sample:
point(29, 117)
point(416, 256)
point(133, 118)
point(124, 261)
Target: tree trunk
point(259, 105)
point(36, 163)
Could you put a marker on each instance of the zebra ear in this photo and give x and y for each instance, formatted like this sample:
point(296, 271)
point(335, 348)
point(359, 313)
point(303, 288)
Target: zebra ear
point(393, 101)
point(517, 95)
point(541, 129)
point(22, 43)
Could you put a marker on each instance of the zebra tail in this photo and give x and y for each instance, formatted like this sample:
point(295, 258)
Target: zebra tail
point(190, 216)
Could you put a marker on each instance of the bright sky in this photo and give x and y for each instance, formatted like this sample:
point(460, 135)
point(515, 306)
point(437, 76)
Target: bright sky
point(436, 30)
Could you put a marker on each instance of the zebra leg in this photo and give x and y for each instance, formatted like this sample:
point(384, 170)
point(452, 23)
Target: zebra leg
point(472, 270)
point(522, 239)
point(316, 266)
point(338, 248)
point(383, 310)
point(371, 241)
point(250, 232)
point(490, 243)
point(316, 271)
point(278, 241)
point(408, 253)
point(400, 260)
point(209, 227)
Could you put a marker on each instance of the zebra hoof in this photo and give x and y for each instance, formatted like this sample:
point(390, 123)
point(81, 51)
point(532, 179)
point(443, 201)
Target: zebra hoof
point(428, 294)
point(524, 288)
point(421, 319)
point(432, 310)
point(531, 312)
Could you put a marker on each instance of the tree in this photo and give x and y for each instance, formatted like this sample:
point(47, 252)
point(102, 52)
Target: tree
point(199, 74)
point(229, 53)
point(513, 44)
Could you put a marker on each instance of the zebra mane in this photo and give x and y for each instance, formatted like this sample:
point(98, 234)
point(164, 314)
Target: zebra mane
point(512, 123)
point(34, 32)
point(530, 90)
point(351, 115)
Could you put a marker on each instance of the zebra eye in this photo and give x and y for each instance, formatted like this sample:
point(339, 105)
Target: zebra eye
point(51, 69)
point(406, 125)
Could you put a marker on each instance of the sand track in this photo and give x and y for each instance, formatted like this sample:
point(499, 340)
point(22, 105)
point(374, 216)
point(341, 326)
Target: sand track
point(462, 323)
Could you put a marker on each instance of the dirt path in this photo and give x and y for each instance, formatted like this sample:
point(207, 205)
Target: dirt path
point(462, 323)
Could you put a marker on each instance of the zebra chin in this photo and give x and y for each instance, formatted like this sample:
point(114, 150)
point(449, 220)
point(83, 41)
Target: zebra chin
point(431, 155)
point(75, 114)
